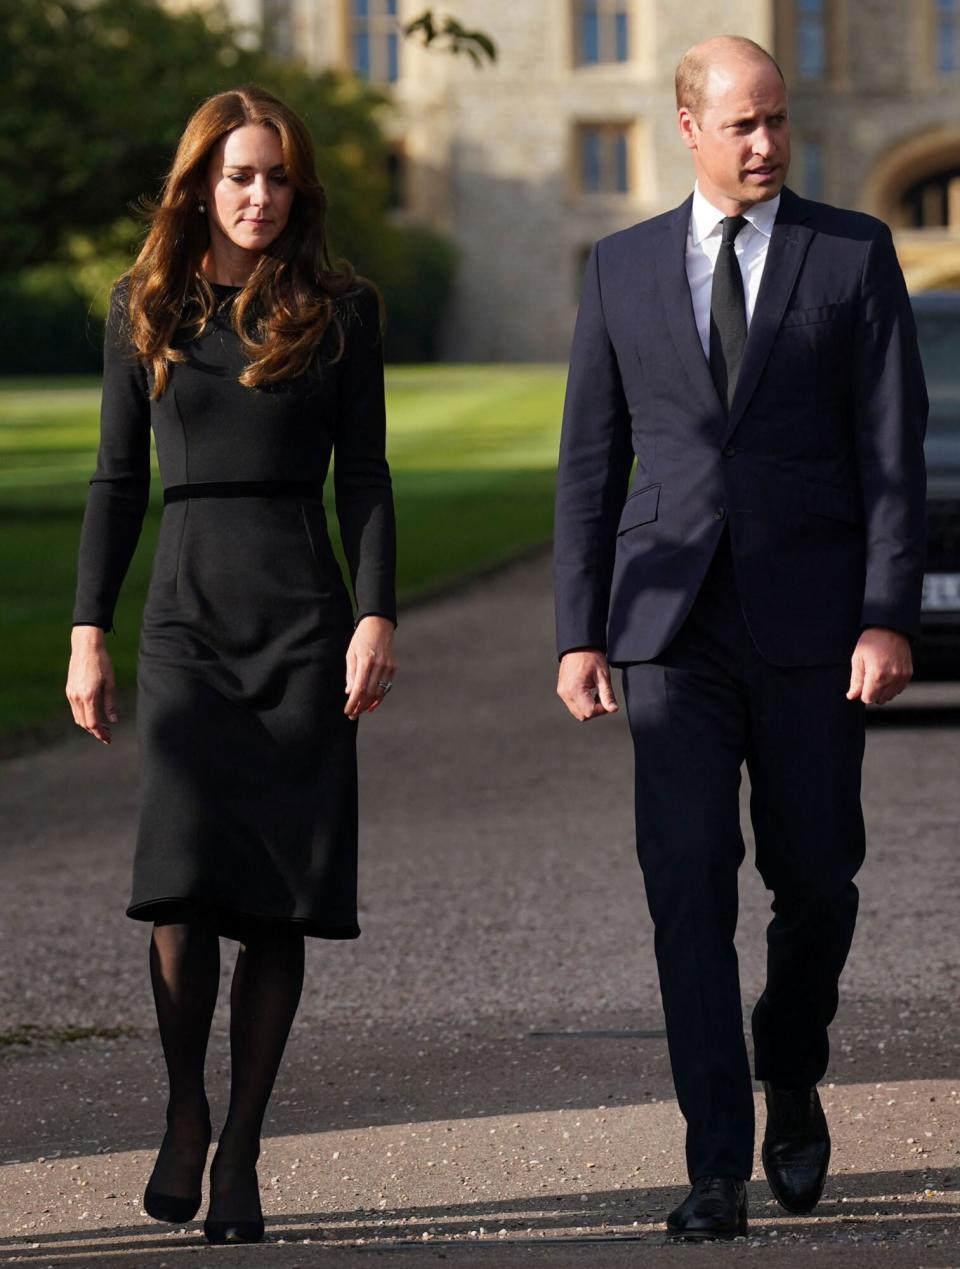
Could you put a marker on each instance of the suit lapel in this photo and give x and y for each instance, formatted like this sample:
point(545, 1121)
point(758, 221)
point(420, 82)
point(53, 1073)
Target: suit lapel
point(677, 307)
point(788, 245)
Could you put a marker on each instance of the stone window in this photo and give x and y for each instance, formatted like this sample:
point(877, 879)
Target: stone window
point(810, 25)
point(601, 31)
point(603, 158)
point(946, 30)
point(374, 39)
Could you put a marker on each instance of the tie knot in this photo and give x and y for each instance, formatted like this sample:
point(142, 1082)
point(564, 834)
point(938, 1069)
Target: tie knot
point(731, 227)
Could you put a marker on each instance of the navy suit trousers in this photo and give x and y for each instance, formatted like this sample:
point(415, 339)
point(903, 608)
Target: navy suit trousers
point(697, 712)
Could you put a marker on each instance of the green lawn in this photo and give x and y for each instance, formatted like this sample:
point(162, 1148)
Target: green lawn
point(472, 449)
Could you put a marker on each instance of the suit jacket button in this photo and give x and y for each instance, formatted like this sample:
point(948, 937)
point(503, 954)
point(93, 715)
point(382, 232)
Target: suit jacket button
point(719, 513)
point(729, 451)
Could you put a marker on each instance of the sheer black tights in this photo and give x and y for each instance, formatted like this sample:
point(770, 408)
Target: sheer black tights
point(264, 995)
point(185, 973)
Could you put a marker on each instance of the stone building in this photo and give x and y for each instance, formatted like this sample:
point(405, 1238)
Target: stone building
point(571, 134)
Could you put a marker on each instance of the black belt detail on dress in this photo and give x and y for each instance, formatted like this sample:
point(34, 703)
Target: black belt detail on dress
point(243, 489)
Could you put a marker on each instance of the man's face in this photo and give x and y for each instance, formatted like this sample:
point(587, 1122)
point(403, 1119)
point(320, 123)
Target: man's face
point(741, 142)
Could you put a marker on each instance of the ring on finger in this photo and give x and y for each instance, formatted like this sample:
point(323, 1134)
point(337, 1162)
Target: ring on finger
point(384, 686)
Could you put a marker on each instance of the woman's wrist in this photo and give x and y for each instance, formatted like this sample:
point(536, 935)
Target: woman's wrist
point(376, 616)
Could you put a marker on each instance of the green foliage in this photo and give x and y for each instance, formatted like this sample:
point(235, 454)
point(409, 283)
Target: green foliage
point(417, 292)
point(44, 321)
point(96, 95)
point(95, 98)
point(449, 34)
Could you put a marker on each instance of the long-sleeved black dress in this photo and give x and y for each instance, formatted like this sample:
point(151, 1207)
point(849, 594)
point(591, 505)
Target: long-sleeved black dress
point(248, 784)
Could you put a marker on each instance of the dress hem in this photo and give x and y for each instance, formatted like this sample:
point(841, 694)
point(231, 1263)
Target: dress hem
point(233, 923)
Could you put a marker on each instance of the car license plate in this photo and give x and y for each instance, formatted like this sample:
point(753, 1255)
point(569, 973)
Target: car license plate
point(941, 592)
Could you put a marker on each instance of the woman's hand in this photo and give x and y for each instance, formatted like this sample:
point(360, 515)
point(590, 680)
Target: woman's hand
point(370, 665)
point(90, 683)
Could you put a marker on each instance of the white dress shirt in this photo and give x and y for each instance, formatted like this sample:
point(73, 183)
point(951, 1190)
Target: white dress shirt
point(703, 246)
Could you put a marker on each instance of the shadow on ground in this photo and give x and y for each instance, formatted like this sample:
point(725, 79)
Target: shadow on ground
point(866, 1207)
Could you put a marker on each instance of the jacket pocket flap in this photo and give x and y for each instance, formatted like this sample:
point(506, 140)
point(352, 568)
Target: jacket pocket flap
point(807, 316)
point(833, 502)
point(640, 508)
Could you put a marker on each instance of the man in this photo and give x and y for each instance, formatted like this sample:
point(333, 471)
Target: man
point(756, 354)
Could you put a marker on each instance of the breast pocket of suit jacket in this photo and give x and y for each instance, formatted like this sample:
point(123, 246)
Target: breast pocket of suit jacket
point(812, 349)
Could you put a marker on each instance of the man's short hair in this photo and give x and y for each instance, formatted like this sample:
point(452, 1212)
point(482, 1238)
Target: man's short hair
point(691, 77)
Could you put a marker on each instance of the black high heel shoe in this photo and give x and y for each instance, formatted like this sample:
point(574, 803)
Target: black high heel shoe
point(233, 1231)
point(245, 1230)
point(173, 1208)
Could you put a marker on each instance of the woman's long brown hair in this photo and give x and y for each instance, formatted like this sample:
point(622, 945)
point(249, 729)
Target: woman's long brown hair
point(289, 301)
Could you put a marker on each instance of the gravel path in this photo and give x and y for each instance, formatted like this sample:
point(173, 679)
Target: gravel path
point(484, 1072)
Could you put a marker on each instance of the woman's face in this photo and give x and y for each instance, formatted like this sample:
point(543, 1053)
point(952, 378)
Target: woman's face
point(249, 194)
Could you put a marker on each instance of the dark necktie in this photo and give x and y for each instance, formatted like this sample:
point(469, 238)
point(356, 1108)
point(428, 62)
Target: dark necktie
point(728, 314)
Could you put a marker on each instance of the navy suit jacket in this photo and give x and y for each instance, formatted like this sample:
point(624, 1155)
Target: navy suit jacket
point(817, 470)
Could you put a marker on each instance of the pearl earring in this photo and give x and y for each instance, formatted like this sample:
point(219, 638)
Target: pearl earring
point(202, 207)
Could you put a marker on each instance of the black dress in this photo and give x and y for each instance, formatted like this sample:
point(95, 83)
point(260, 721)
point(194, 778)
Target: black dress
point(248, 798)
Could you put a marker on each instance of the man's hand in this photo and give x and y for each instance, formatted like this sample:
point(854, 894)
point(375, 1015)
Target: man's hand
point(881, 666)
point(583, 685)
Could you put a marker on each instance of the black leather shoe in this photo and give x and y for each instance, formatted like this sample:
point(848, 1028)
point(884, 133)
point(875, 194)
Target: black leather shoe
point(716, 1207)
point(796, 1147)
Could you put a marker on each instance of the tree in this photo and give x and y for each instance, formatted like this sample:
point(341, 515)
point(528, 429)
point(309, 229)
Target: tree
point(96, 96)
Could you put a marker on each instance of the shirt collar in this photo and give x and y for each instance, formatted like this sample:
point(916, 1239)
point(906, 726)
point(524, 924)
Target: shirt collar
point(705, 219)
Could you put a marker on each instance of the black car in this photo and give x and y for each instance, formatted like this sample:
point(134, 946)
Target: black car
point(938, 325)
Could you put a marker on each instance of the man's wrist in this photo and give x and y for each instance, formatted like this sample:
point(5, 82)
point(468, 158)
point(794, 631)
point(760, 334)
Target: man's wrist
point(601, 652)
point(903, 634)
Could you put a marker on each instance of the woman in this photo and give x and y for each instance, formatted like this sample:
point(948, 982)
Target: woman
point(251, 358)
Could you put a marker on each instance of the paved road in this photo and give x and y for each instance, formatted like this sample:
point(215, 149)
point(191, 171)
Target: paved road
point(483, 1073)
